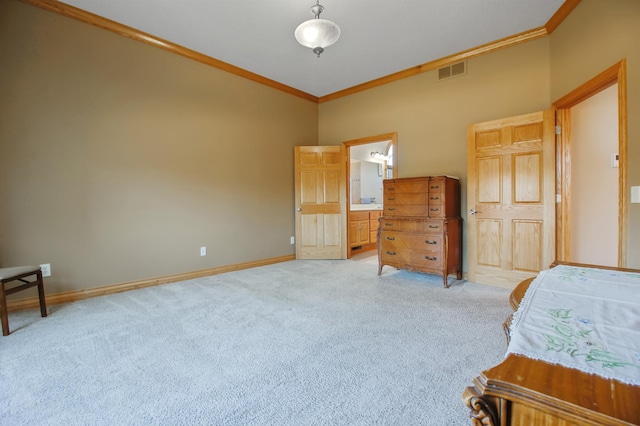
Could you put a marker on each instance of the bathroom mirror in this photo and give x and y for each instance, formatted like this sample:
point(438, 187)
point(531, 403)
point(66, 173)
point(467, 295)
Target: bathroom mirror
point(368, 167)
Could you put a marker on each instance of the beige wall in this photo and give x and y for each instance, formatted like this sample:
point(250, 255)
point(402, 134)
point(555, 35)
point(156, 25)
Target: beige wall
point(120, 160)
point(595, 36)
point(431, 116)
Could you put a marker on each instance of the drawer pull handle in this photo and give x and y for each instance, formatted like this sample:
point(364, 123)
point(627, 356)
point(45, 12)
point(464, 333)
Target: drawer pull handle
point(430, 258)
point(391, 198)
point(391, 188)
point(388, 224)
point(434, 198)
point(434, 210)
point(434, 187)
point(391, 238)
point(430, 242)
point(392, 208)
point(434, 226)
point(392, 253)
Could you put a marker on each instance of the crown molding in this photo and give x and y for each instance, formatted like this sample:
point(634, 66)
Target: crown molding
point(543, 31)
point(560, 15)
point(132, 33)
point(447, 60)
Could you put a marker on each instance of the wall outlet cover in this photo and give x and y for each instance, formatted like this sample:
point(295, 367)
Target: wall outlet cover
point(46, 269)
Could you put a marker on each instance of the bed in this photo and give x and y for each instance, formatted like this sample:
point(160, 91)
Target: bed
point(573, 355)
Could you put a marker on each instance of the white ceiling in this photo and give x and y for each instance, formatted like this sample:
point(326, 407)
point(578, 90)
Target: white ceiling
point(378, 37)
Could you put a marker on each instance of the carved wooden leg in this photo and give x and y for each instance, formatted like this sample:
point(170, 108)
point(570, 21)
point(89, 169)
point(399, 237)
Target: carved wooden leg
point(506, 327)
point(483, 411)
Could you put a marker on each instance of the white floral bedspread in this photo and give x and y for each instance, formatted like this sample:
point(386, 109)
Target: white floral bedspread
point(582, 318)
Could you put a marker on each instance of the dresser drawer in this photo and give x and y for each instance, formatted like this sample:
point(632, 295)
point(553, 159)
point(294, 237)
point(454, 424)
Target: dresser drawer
point(437, 184)
point(428, 226)
point(395, 254)
point(405, 210)
point(432, 243)
point(423, 242)
point(405, 187)
point(390, 239)
point(436, 210)
point(391, 224)
point(404, 248)
point(435, 198)
point(417, 198)
point(426, 259)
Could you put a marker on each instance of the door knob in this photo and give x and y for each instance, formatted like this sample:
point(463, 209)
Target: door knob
point(473, 211)
point(298, 209)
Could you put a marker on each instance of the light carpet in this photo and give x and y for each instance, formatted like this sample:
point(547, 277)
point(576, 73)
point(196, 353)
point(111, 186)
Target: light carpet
point(297, 343)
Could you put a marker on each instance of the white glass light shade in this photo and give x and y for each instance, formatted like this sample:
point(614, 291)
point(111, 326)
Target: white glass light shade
point(317, 34)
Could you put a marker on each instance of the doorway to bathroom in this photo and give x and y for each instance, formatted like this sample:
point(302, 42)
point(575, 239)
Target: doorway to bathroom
point(370, 160)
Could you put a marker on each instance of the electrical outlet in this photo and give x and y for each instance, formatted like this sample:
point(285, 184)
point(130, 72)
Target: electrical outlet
point(46, 269)
point(203, 251)
point(293, 240)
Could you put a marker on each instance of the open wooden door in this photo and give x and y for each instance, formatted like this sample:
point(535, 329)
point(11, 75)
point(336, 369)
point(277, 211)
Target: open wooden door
point(511, 197)
point(320, 202)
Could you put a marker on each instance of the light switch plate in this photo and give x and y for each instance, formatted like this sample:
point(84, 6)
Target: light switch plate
point(635, 194)
point(615, 160)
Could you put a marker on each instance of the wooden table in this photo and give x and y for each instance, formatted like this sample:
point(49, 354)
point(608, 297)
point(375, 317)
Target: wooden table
point(524, 391)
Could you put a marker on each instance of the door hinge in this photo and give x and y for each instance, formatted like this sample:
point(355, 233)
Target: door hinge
point(558, 130)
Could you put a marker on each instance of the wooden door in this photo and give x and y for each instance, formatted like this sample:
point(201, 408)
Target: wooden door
point(320, 201)
point(511, 198)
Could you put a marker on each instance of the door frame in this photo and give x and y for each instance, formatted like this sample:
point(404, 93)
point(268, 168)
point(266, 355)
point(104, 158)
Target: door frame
point(393, 137)
point(617, 73)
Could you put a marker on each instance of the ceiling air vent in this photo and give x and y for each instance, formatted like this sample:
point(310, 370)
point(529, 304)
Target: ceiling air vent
point(453, 70)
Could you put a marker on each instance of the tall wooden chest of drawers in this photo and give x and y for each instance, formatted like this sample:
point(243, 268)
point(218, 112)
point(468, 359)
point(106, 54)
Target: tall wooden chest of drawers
point(421, 228)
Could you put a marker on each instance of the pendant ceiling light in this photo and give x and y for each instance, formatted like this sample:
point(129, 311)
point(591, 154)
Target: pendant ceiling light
point(317, 33)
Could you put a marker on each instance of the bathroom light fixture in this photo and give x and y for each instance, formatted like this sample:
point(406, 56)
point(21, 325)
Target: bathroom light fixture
point(317, 33)
point(379, 156)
